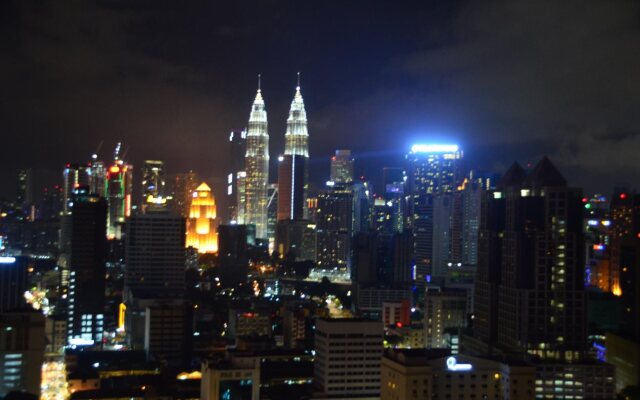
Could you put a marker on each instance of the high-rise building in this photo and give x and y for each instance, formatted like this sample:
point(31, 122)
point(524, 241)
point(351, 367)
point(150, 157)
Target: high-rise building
point(339, 342)
point(362, 206)
point(97, 176)
point(291, 187)
point(87, 265)
point(153, 183)
point(22, 343)
point(184, 184)
point(625, 223)
point(334, 228)
point(236, 176)
point(272, 213)
point(202, 223)
point(155, 255)
point(296, 139)
point(431, 170)
point(530, 293)
point(342, 167)
point(257, 167)
point(74, 175)
point(119, 188)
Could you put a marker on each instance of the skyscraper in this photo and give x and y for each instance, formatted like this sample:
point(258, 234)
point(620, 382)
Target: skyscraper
point(235, 181)
point(432, 170)
point(334, 228)
point(74, 175)
point(530, 293)
point(257, 167)
point(342, 167)
point(119, 187)
point(87, 265)
point(155, 255)
point(296, 139)
point(153, 182)
point(202, 224)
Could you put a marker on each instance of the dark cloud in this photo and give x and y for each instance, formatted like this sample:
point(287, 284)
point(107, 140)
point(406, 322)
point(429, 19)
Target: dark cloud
point(506, 79)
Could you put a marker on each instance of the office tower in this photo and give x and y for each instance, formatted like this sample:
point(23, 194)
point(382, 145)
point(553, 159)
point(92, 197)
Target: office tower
point(202, 224)
point(87, 265)
point(339, 342)
point(625, 223)
point(97, 176)
point(334, 228)
point(30, 186)
point(184, 184)
point(443, 310)
point(431, 170)
point(13, 282)
point(531, 258)
point(397, 313)
point(472, 190)
point(362, 206)
point(153, 183)
point(291, 187)
point(443, 215)
point(51, 204)
point(22, 342)
point(119, 188)
point(257, 167)
point(296, 139)
point(74, 175)
point(342, 167)
point(155, 255)
point(394, 197)
point(235, 180)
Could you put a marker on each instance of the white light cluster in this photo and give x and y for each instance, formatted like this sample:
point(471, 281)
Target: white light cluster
point(434, 148)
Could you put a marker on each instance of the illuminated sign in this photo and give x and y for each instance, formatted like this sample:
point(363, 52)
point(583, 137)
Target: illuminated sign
point(452, 365)
point(80, 342)
point(7, 260)
point(434, 148)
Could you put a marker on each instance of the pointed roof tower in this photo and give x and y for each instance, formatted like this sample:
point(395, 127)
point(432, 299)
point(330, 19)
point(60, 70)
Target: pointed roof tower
point(514, 176)
point(545, 174)
point(258, 115)
point(296, 137)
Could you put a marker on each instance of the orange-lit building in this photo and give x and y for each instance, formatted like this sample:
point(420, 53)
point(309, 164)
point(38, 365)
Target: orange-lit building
point(202, 224)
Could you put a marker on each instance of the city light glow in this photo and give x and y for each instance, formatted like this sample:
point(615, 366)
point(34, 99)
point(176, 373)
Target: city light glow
point(434, 148)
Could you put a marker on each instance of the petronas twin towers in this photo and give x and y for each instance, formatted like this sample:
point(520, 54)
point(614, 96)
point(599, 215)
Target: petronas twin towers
point(257, 155)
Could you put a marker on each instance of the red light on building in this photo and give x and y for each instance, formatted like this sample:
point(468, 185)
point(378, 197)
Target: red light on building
point(623, 196)
point(399, 324)
point(584, 199)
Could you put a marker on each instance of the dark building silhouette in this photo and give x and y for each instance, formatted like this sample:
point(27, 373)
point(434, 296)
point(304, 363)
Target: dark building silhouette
point(530, 293)
point(87, 265)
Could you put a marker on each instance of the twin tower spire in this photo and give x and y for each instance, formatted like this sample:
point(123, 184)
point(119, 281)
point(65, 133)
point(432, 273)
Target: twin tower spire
point(257, 155)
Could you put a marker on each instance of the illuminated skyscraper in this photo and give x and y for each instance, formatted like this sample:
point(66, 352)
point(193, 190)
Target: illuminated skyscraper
point(432, 170)
point(74, 175)
point(153, 182)
point(235, 179)
point(257, 167)
point(202, 225)
point(119, 186)
point(297, 138)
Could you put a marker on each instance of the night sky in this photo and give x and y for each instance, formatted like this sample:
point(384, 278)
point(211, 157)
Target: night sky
point(506, 80)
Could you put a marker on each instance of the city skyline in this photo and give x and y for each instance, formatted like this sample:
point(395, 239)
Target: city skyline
point(189, 96)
